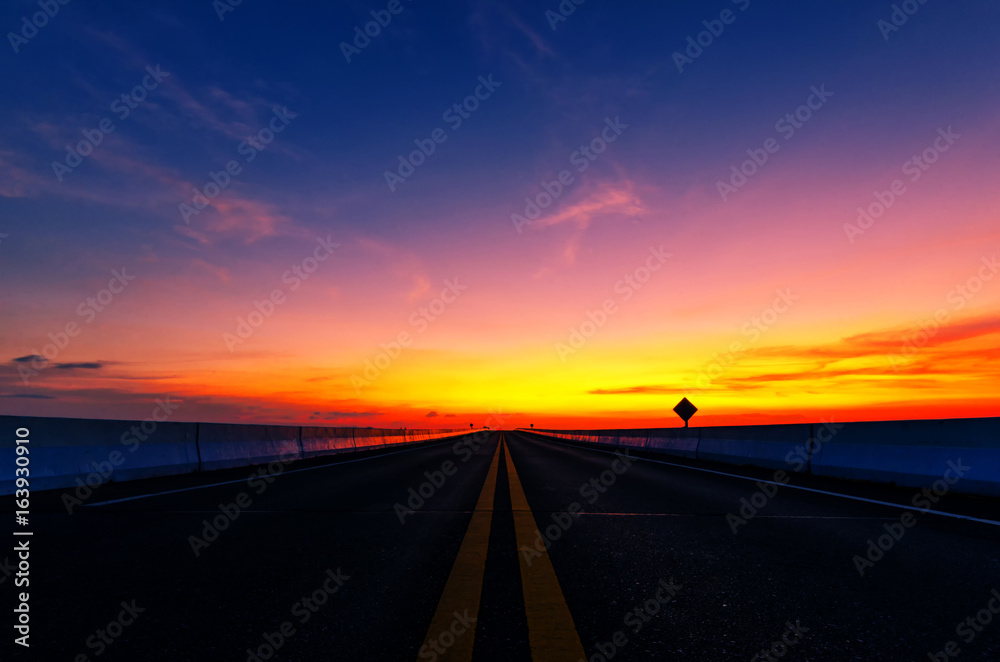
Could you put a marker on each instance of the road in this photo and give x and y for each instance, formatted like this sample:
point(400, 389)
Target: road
point(642, 559)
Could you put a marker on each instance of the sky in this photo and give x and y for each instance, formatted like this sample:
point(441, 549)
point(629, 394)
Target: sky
point(436, 215)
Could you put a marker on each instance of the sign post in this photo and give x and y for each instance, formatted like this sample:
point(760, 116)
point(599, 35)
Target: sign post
point(685, 410)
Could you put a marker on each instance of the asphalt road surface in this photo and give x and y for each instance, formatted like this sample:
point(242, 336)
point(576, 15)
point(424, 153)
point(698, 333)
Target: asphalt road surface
point(508, 547)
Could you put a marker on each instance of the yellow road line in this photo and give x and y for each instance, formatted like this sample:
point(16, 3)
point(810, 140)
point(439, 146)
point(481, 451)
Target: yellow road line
point(551, 631)
point(449, 637)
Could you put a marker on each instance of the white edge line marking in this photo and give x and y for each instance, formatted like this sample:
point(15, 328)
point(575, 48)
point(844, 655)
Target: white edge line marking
point(794, 487)
point(243, 480)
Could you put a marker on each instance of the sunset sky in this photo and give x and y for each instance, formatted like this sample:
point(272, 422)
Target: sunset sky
point(639, 278)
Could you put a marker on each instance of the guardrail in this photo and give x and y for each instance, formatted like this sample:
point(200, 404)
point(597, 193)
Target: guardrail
point(64, 451)
point(906, 453)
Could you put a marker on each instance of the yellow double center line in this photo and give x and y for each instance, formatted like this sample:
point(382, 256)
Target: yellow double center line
point(552, 634)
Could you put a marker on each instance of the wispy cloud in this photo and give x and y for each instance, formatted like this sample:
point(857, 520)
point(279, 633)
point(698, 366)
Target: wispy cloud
point(635, 390)
point(83, 365)
point(15, 181)
point(235, 216)
point(334, 415)
point(600, 199)
point(28, 396)
point(595, 200)
point(421, 284)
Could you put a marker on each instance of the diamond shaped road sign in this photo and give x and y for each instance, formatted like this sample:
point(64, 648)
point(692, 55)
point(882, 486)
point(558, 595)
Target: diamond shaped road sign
point(685, 410)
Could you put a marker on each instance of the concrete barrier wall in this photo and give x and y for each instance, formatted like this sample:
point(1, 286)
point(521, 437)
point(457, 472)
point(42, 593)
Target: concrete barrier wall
point(66, 452)
point(915, 453)
point(905, 453)
point(224, 446)
point(327, 441)
point(61, 450)
point(757, 445)
point(369, 437)
point(632, 438)
point(681, 442)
